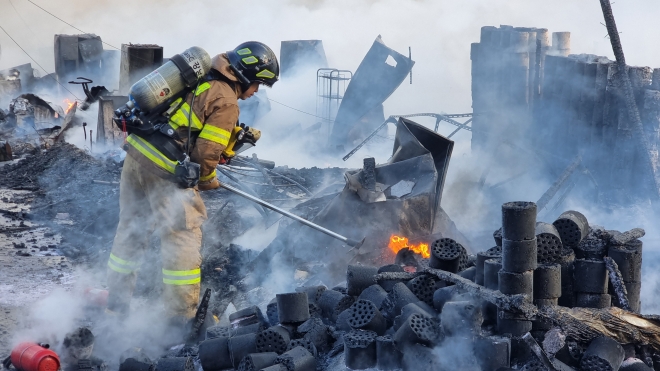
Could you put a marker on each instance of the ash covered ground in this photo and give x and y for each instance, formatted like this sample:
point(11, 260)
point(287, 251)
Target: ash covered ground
point(59, 210)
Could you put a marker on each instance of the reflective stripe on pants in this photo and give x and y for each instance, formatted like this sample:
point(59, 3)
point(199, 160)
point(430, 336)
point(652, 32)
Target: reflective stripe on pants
point(189, 277)
point(120, 265)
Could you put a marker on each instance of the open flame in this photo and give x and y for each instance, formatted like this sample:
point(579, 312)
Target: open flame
point(398, 242)
point(69, 105)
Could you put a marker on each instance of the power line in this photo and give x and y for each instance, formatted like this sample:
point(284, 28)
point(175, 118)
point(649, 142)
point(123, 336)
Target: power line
point(69, 24)
point(112, 46)
point(37, 63)
point(19, 16)
point(295, 109)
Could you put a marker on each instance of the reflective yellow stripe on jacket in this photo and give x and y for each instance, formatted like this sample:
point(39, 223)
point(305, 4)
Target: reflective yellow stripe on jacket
point(151, 153)
point(180, 117)
point(120, 265)
point(215, 134)
point(189, 277)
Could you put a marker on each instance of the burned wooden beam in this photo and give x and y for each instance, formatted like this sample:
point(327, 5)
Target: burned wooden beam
point(625, 237)
point(514, 303)
point(629, 98)
point(617, 283)
point(586, 324)
point(556, 186)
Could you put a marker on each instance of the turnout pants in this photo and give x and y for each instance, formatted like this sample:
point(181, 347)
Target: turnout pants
point(147, 204)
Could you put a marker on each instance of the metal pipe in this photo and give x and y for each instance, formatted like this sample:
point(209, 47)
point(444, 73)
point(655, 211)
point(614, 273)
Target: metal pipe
point(348, 241)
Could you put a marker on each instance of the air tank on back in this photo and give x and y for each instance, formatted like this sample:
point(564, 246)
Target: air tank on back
point(181, 71)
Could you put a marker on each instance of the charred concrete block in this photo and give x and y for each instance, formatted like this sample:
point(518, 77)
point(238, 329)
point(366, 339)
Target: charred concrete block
point(292, 308)
point(275, 367)
point(446, 254)
point(257, 361)
point(387, 285)
point(214, 354)
point(634, 364)
point(508, 323)
point(342, 323)
point(399, 297)
point(271, 312)
point(418, 329)
point(420, 357)
point(492, 268)
point(317, 332)
point(629, 261)
point(365, 316)
point(519, 256)
point(360, 349)
point(572, 227)
point(587, 300)
point(497, 236)
point(249, 329)
point(413, 308)
point(134, 359)
point(518, 221)
point(247, 316)
point(297, 359)
point(359, 277)
point(516, 283)
point(567, 298)
point(492, 253)
point(388, 357)
point(493, 352)
point(469, 273)
point(305, 343)
point(547, 281)
point(545, 302)
point(548, 243)
point(591, 248)
point(175, 364)
point(240, 346)
point(314, 311)
point(273, 339)
point(533, 365)
point(131, 364)
point(215, 332)
point(443, 295)
point(590, 276)
point(334, 302)
point(423, 287)
point(375, 294)
point(602, 354)
point(313, 292)
point(461, 318)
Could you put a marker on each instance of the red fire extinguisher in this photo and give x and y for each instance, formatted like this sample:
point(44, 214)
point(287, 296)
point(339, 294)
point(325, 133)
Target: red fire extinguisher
point(96, 297)
point(34, 357)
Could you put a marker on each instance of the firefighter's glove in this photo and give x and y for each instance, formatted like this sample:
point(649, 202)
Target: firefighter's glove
point(208, 184)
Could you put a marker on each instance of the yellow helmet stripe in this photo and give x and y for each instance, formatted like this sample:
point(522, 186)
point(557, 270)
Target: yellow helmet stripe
point(266, 74)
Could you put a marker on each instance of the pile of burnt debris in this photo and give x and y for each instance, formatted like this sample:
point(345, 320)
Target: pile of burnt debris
point(76, 194)
point(560, 296)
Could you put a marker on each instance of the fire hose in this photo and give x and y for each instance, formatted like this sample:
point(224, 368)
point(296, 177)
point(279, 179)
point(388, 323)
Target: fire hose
point(353, 243)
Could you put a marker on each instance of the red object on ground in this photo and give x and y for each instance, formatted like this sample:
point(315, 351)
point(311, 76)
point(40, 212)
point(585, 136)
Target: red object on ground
point(97, 297)
point(33, 357)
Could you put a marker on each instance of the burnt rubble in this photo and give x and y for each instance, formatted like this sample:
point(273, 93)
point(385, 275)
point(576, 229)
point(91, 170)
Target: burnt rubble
point(512, 321)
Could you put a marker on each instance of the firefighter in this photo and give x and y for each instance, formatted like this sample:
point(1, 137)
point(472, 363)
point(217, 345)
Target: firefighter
point(152, 199)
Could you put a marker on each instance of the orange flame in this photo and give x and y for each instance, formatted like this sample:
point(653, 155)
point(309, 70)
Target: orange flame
point(397, 243)
point(69, 104)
